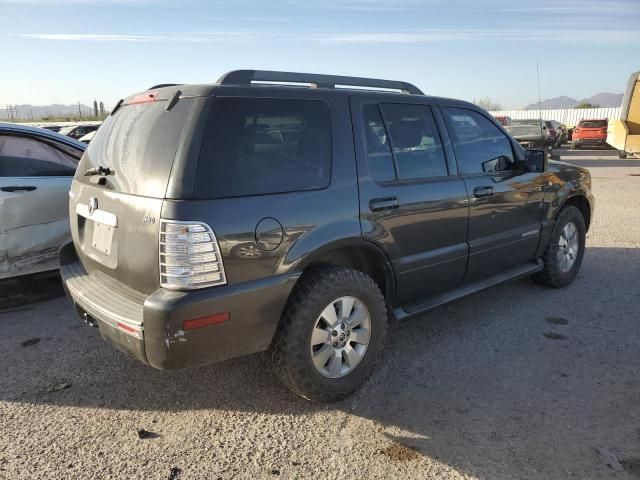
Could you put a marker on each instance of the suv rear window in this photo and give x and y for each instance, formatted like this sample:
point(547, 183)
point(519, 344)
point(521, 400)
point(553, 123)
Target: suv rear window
point(255, 146)
point(138, 142)
point(592, 124)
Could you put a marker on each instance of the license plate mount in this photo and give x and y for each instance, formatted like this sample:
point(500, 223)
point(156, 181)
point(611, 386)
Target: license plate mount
point(102, 238)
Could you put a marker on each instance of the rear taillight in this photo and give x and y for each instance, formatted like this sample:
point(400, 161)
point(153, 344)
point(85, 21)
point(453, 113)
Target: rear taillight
point(189, 256)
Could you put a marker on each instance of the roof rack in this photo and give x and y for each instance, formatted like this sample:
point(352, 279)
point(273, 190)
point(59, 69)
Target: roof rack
point(162, 85)
point(249, 77)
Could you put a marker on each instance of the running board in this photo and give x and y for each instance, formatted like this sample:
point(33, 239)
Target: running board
point(433, 302)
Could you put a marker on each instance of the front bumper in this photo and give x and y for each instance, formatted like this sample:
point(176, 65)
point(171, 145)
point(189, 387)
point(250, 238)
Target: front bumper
point(150, 327)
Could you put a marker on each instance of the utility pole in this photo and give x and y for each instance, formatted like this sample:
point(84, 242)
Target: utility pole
point(539, 101)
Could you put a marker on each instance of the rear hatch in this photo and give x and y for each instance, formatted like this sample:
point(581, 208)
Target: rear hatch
point(115, 214)
point(592, 129)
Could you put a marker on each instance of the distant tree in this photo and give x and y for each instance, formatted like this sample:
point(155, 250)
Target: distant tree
point(586, 105)
point(95, 108)
point(488, 104)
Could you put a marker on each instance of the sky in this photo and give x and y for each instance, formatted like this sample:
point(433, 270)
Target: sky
point(81, 50)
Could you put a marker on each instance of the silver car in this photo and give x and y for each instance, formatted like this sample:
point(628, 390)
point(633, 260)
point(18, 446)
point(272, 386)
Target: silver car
point(36, 169)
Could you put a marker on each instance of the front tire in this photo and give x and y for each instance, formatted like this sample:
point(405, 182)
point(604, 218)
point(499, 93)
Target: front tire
point(563, 256)
point(330, 335)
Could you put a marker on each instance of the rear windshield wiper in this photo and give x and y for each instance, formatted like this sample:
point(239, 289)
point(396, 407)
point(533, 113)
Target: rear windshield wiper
point(102, 171)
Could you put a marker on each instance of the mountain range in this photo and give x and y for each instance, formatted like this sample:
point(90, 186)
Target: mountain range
point(603, 99)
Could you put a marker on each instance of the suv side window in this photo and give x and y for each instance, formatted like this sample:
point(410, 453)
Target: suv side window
point(255, 146)
point(417, 151)
point(479, 145)
point(27, 157)
point(379, 156)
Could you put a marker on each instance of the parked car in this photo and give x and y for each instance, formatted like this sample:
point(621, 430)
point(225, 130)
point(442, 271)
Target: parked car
point(504, 120)
point(237, 217)
point(88, 137)
point(77, 131)
point(531, 133)
point(590, 133)
point(36, 169)
point(53, 128)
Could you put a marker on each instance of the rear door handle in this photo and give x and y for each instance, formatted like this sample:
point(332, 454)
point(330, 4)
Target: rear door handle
point(385, 203)
point(18, 188)
point(479, 192)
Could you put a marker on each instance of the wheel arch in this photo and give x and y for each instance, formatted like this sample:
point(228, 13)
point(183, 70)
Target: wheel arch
point(581, 203)
point(356, 254)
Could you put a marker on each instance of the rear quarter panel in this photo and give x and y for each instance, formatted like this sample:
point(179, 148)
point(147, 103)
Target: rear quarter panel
point(310, 220)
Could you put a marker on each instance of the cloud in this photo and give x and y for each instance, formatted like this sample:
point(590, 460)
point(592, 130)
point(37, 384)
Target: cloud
point(221, 37)
point(453, 35)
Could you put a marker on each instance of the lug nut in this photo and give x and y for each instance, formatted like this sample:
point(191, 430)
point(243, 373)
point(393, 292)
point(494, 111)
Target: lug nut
point(334, 333)
point(335, 344)
point(348, 332)
point(342, 326)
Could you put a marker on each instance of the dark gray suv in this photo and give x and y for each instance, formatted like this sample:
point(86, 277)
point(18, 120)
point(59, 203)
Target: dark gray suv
point(299, 213)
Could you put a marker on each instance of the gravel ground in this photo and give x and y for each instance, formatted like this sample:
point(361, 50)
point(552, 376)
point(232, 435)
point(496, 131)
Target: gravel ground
point(516, 382)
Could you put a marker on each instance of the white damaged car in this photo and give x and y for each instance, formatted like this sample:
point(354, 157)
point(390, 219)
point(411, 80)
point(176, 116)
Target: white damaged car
point(36, 169)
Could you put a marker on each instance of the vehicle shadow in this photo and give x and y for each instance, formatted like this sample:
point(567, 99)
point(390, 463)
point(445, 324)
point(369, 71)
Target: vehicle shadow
point(518, 381)
point(28, 289)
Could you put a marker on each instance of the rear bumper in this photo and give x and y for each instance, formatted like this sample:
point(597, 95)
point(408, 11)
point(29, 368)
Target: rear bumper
point(590, 141)
point(150, 327)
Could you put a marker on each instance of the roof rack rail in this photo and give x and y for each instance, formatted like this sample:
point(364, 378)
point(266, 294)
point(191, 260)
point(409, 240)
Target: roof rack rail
point(162, 85)
point(248, 77)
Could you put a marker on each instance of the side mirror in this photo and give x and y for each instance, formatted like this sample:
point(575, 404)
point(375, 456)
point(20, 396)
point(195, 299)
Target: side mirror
point(536, 160)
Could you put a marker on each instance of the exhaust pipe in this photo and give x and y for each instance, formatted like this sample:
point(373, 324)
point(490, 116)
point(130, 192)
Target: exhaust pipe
point(89, 320)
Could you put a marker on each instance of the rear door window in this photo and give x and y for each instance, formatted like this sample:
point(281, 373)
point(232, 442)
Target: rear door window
point(415, 140)
point(256, 146)
point(28, 157)
point(379, 156)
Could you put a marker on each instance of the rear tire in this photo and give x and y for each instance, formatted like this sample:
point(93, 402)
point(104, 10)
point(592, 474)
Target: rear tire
point(562, 258)
point(298, 353)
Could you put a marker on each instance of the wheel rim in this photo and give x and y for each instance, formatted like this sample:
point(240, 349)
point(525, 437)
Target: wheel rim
point(340, 337)
point(568, 245)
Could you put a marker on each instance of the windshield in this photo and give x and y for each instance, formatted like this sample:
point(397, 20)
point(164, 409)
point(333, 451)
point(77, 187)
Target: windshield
point(527, 122)
point(66, 130)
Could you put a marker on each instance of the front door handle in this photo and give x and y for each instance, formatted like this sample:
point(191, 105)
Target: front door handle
point(18, 188)
point(479, 192)
point(385, 203)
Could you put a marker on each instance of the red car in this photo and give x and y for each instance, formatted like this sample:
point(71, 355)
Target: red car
point(504, 121)
point(591, 133)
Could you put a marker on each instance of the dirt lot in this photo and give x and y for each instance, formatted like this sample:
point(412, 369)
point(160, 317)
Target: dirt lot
point(516, 382)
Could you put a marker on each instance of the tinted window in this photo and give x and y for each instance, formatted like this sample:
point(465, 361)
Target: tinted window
point(416, 143)
point(257, 146)
point(27, 157)
point(593, 123)
point(138, 142)
point(480, 146)
point(379, 156)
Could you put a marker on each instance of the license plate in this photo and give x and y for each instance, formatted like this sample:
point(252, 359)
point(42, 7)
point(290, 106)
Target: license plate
point(102, 237)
